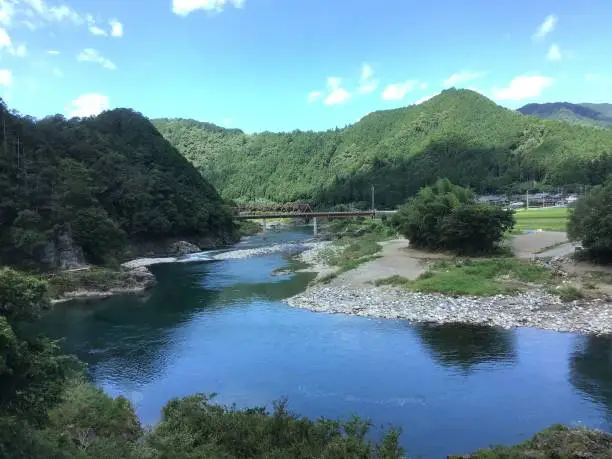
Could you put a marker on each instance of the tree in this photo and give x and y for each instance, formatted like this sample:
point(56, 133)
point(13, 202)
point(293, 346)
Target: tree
point(591, 222)
point(446, 217)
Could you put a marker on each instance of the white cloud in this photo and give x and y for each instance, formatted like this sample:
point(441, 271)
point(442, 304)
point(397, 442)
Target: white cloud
point(185, 7)
point(6, 77)
point(554, 53)
point(367, 83)
point(7, 44)
point(523, 87)
point(314, 96)
point(423, 86)
point(53, 52)
point(19, 50)
point(34, 14)
point(461, 77)
point(89, 104)
point(92, 55)
point(546, 27)
point(337, 94)
point(5, 39)
point(116, 28)
point(397, 91)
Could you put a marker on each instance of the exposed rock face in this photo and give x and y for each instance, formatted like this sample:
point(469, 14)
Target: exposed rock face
point(182, 248)
point(62, 253)
point(142, 277)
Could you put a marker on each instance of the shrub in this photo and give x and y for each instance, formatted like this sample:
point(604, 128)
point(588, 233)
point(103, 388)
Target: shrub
point(591, 222)
point(446, 217)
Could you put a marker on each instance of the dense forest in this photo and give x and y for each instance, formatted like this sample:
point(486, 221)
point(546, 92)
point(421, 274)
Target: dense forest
point(599, 115)
point(96, 184)
point(459, 134)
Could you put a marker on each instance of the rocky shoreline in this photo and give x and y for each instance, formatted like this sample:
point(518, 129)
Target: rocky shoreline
point(535, 309)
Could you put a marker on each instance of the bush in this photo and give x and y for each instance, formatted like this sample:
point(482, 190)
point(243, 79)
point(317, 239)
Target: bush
point(591, 222)
point(447, 217)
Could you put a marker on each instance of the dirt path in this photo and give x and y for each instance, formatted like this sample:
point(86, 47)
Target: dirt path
point(542, 244)
point(397, 258)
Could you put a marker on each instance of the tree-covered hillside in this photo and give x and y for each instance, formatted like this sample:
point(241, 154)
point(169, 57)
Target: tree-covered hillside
point(599, 115)
point(97, 183)
point(459, 134)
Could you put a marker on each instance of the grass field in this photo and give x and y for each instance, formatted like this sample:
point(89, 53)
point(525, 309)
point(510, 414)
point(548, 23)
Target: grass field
point(546, 219)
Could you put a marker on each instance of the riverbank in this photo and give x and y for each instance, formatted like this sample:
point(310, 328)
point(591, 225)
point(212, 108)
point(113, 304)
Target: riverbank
point(354, 293)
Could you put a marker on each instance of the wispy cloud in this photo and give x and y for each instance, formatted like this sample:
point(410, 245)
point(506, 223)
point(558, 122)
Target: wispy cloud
point(546, 27)
point(554, 53)
point(92, 55)
point(523, 87)
point(89, 104)
point(367, 82)
point(461, 77)
point(185, 7)
point(337, 94)
point(397, 91)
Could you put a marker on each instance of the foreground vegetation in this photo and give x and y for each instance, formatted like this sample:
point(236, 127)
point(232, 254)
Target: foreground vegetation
point(93, 185)
point(458, 134)
point(546, 219)
point(475, 277)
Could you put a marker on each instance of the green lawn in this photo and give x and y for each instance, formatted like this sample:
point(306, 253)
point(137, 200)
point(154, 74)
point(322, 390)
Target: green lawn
point(547, 219)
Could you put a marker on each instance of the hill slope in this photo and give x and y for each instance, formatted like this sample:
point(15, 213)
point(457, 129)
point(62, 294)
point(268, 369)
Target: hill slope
point(458, 134)
point(99, 182)
point(599, 115)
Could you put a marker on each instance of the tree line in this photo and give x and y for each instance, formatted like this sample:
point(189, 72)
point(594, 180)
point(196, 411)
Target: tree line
point(459, 134)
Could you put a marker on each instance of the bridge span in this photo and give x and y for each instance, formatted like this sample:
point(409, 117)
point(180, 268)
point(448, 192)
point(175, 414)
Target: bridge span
point(313, 215)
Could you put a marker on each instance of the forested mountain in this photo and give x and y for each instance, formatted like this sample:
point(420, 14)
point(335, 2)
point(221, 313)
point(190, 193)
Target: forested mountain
point(459, 134)
point(599, 115)
point(97, 183)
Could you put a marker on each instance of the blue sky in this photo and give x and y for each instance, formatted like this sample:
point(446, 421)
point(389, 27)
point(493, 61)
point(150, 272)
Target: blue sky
point(296, 64)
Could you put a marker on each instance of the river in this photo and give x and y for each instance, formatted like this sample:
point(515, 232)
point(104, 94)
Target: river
point(223, 327)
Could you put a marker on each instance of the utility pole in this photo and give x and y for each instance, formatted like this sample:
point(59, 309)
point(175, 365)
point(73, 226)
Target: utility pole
point(527, 198)
point(373, 199)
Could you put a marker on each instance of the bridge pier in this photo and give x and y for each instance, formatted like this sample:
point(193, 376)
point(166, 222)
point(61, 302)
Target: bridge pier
point(314, 225)
point(264, 224)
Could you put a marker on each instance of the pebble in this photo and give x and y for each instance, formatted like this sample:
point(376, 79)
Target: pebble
point(536, 308)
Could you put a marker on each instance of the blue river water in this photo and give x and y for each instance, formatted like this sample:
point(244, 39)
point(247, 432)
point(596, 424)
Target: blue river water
point(223, 327)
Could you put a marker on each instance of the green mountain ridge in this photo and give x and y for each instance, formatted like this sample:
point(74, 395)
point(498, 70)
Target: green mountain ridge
point(103, 181)
point(586, 114)
point(459, 134)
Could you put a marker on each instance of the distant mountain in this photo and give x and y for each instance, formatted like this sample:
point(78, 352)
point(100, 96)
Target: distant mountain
point(458, 134)
point(599, 115)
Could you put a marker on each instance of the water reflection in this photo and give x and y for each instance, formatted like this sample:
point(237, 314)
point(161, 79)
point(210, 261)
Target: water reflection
point(464, 347)
point(136, 337)
point(591, 370)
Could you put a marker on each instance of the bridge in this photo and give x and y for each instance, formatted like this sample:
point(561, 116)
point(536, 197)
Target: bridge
point(299, 210)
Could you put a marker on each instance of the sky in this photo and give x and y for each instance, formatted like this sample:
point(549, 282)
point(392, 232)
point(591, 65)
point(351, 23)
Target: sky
point(280, 65)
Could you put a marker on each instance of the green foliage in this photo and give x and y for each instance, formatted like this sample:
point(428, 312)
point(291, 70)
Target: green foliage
point(105, 179)
point(555, 442)
point(89, 421)
point(546, 219)
point(395, 280)
point(194, 427)
point(446, 217)
point(458, 134)
point(479, 277)
point(568, 293)
point(591, 222)
point(248, 228)
point(93, 279)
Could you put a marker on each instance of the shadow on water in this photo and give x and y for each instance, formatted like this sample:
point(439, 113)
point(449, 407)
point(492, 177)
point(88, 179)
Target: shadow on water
point(465, 347)
point(591, 370)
